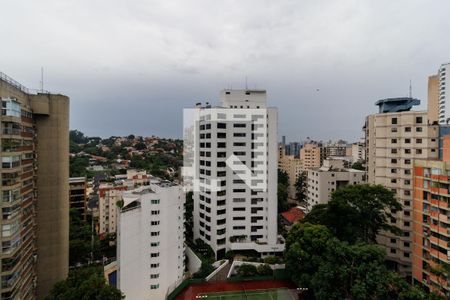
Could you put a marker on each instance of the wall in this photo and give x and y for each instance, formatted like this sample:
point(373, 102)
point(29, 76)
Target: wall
point(53, 192)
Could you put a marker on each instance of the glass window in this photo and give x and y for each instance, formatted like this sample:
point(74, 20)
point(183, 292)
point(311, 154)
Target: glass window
point(10, 107)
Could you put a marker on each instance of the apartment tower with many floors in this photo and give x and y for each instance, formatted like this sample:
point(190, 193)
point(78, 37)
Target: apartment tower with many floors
point(235, 157)
point(34, 190)
point(150, 236)
point(395, 137)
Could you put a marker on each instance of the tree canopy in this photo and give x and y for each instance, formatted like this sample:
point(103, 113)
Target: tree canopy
point(85, 283)
point(283, 183)
point(357, 212)
point(333, 269)
point(301, 186)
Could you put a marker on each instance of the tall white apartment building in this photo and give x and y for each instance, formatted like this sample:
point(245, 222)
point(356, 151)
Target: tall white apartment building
point(395, 137)
point(330, 177)
point(443, 93)
point(150, 237)
point(235, 174)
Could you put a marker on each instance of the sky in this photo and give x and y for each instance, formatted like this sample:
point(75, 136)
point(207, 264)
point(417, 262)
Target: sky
point(131, 67)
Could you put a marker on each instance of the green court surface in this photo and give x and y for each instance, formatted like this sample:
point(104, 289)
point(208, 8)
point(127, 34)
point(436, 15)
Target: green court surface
point(271, 294)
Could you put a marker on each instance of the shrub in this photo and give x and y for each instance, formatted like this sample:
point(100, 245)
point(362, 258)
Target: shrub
point(247, 270)
point(271, 260)
point(264, 270)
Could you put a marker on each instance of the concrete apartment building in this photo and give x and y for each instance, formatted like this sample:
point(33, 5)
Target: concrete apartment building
point(438, 98)
point(312, 155)
point(292, 165)
point(150, 237)
point(433, 99)
point(35, 191)
point(395, 137)
point(236, 159)
point(78, 194)
point(108, 196)
point(110, 193)
point(358, 152)
point(330, 177)
point(431, 224)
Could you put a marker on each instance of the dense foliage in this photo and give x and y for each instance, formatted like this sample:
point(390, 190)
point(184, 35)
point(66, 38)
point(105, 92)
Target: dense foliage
point(333, 269)
point(301, 186)
point(162, 158)
point(283, 183)
point(357, 212)
point(85, 283)
point(333, 251)
point(83, 242)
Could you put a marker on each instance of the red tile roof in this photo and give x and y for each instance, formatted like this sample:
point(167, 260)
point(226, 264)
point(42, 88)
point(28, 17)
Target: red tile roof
point(293, 215)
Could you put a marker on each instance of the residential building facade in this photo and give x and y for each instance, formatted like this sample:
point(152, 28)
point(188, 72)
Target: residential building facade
point(312, 156)
point(437, 92)
point(236, 159)
point(150, 237)
point(332, 176)
point(108, 196)
point(395, 137)
point(431, 224)
point(78, 195)
point(35, 190)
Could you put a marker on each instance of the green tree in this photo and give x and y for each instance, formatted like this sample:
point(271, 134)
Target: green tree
point(77, 137)
point(264, 270)
point(358, 166)
point(283, 182)
point(283, 177)
point(332, 269)
point(357, 212)
point(301, 186)
point(85, 283)
point(189, 220)
point(246, 270)
point(78, 165)
point(140, 146)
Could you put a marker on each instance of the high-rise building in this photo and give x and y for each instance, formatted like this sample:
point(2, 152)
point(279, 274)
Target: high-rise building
point(235, 155)
point(332, 176)
point(35, 190)
point(108, 196)
point(150, 241)
point(431, 226)
point(394, 138)
point(293, 167)
point(311, 155)
point(438, 98)
point(433, 99)
point(358, 152)
point(78, 194)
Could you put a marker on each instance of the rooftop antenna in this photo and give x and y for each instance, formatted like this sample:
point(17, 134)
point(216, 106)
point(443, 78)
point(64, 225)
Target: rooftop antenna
point(410, 89)
point(42, 79)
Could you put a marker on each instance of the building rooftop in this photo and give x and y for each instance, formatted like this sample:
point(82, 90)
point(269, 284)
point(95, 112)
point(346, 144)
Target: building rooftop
point(293, 215)
point(77, 179)
point(396, 104)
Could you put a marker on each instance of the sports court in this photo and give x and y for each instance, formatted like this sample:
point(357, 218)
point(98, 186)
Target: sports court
point(268, 294)
point(251, 290)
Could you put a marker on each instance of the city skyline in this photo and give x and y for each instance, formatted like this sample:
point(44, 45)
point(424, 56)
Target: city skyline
point(144, 54)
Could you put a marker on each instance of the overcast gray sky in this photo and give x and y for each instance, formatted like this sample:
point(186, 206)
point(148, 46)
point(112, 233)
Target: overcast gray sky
point(132, 66)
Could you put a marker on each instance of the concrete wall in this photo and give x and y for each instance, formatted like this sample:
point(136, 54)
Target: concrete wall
point(194, 263)
point(52, 151)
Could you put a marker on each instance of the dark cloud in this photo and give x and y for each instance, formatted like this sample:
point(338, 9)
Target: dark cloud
point(132, 66)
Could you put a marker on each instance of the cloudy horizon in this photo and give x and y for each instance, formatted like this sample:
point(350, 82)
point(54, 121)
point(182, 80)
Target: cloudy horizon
point(131, 67)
